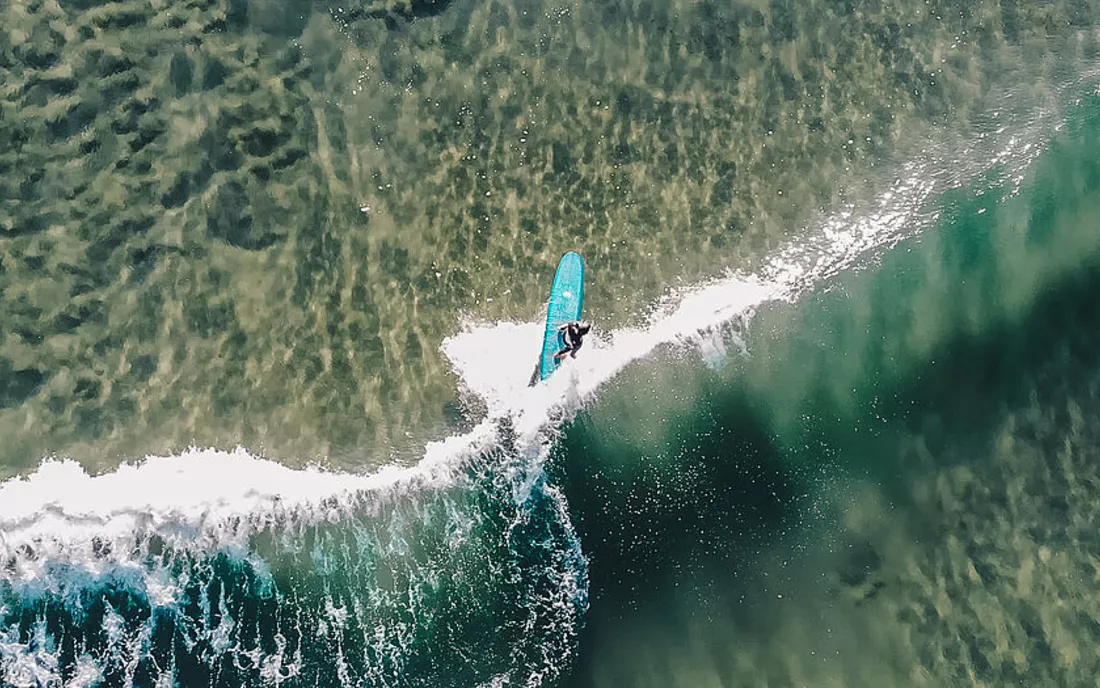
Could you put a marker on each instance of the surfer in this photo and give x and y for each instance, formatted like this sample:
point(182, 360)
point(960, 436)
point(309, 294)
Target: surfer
point(564, 327)
point(572, 335)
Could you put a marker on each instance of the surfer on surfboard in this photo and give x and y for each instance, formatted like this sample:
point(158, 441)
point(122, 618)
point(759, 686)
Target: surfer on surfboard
point(564, 328)
point(572, 336)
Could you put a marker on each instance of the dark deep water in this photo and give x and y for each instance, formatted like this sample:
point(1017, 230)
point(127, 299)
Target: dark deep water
point(913, 517)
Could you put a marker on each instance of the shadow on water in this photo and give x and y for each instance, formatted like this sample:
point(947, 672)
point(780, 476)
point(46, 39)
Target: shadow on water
point(679, 525)
point(972, 380)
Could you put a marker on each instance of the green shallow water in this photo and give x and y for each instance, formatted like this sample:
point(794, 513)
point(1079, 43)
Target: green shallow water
point(894, 487)
point(252, 222)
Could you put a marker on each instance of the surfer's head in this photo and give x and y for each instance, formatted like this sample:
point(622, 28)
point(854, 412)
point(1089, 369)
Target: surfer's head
point(584, 326)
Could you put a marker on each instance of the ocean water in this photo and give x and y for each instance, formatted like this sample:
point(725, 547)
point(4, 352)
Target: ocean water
point(270, 280)
point(888, 488)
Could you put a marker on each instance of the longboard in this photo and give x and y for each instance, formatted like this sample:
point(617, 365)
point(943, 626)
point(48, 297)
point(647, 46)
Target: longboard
point(566, 299)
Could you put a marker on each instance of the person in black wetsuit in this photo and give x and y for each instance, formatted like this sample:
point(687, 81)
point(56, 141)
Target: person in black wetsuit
point(573, 335)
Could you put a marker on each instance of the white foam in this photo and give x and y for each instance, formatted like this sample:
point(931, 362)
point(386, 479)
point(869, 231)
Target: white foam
point(495, 360)
point(64, 533)
point(194, 495)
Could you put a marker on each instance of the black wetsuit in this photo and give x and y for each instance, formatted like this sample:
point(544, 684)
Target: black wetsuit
point(572, 335)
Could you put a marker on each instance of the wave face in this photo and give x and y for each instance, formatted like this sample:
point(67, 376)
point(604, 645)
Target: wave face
point(222, 569)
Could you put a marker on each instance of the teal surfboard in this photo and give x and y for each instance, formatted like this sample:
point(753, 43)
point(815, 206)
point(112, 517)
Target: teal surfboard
point(566, 298)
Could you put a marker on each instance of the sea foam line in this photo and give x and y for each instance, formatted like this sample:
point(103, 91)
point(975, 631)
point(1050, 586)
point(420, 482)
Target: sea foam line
point(194, 494)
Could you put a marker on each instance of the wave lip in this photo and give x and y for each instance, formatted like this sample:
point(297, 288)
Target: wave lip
point(188, 490)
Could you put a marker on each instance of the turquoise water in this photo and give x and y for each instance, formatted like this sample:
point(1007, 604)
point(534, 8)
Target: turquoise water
point(890, 488)
point(270, 279)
